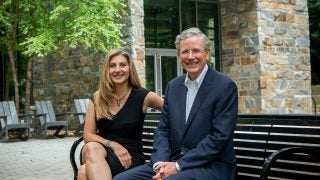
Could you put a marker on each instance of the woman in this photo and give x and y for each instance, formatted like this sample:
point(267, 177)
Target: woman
point(113, 128)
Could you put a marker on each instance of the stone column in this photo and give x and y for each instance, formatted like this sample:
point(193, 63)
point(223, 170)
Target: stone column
point(266, 51)
point(285, 57)
point(135, 36)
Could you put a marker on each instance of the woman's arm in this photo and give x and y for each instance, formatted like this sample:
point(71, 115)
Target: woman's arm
point(152, 100)
point(90, 127)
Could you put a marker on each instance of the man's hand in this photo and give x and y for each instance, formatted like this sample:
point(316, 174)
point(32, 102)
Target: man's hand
point(159, 174)
point(164, 170)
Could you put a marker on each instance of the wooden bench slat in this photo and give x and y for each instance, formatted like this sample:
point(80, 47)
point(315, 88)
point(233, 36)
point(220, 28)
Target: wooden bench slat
point(250, 171)
point(251, 136)
point(303, 140)
point(252, 153)
point(242, 160)
point(254, 145)
point(286, 174)
point(278, 146)
point(296, 165)
point(296, 129)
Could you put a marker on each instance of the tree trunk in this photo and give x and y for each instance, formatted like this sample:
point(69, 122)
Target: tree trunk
point(14, 74)
point(7, 85)
point(11, 37)
point(28, 85)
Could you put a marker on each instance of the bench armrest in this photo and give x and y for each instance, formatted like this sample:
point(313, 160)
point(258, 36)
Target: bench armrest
point(29, 117)
point(269, 162)
point(42, 114)
point(5, 120)
point(80, 113)
point(3, 116)
point(64, 114)
point(72, 156)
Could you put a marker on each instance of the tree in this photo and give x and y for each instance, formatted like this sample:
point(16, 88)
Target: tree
point(8, 18)
point(40, 27)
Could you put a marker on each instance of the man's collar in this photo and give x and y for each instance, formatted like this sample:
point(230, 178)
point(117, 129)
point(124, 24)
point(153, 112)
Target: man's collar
point(199, 79)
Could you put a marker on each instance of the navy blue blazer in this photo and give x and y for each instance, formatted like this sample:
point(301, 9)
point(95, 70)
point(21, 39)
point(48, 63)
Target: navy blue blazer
point(206, 140)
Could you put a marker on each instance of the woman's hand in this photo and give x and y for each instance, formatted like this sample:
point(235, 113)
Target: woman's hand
point(122, 154)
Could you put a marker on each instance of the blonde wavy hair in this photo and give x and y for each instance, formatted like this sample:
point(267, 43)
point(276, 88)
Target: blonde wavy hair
point(104, 95)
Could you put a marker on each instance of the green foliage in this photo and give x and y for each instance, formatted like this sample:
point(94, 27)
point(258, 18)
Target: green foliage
point(91, 23)
point(45, 25)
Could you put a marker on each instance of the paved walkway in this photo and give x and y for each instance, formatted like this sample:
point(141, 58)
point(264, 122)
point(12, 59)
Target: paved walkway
point(36, 159)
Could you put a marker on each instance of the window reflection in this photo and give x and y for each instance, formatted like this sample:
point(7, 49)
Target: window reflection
point(169, 70)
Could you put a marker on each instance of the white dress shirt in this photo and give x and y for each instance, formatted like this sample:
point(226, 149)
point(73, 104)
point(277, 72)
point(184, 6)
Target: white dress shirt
point(193, 87)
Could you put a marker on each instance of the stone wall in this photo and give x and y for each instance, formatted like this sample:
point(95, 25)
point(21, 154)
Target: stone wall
point(64, 77)
point(266, 51)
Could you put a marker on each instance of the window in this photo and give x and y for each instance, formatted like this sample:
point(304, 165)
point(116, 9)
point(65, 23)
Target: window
point(163, 21)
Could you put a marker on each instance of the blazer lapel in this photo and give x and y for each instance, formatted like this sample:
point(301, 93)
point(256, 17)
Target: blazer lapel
point(182, 106)
point(180, 95)
point(183, 103)
point(200, 97)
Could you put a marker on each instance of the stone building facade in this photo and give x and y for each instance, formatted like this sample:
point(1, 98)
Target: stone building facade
point(265, 50)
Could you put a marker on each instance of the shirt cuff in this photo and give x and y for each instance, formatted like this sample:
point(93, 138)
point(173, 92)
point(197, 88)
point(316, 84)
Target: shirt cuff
point(155, 165)
point(178, 167)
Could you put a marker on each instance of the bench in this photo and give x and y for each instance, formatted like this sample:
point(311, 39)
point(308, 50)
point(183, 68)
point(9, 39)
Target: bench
point(267, 146)
point(81, 108)
point(13, 123)
point(48, 120)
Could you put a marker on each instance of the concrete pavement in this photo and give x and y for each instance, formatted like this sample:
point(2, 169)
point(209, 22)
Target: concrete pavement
point(45, 159)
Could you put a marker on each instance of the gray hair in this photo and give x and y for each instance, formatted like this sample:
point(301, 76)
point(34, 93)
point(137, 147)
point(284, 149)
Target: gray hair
point(191, 32)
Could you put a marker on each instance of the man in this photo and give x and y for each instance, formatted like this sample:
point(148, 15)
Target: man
point(194, 139)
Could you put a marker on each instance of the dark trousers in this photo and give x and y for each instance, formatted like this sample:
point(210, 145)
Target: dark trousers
point(145, 172)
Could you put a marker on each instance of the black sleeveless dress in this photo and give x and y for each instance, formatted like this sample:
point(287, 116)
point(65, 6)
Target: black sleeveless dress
point(126, 129)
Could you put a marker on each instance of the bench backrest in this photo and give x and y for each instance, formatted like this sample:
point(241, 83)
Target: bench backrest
point(45, 107)
point(150, 123)
point(8, 109)
point(258, 136)
point(81, 107)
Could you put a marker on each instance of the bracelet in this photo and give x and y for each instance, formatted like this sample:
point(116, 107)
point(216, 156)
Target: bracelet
point(108, 143)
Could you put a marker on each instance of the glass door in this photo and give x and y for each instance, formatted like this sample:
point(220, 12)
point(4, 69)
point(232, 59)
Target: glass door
point(162, 65)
